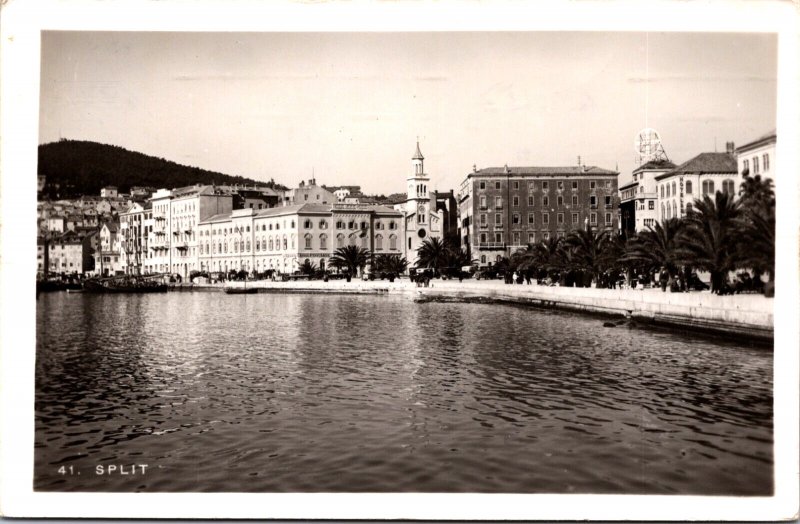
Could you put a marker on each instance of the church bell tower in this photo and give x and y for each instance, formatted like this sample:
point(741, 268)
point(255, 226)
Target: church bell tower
point(417, 206)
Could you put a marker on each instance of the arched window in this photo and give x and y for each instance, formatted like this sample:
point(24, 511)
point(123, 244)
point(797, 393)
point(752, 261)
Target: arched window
point(323, 224)
point(766, 162)
point(378, 242)
point(483, 259)
point(340, 240)
point(270, 244)
point(728, 187)
point(708, 187)
point(270, 227)
point(663, 213)
point(323, 243)
point(668, 193)
point(248, 245)
point(662, 191)
point(285, 244)
point(292, 226)
point(293, 237)
point(308, 240)
point(258, 245)
point(392, 241)
point(688, 187)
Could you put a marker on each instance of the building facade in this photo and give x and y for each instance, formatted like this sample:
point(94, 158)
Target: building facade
point(281, 239)
point(639, 199)
point(758, 157)
point(506, 208)
point(701, 176)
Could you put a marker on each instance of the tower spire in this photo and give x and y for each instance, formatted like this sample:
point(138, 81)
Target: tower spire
point(418, 153)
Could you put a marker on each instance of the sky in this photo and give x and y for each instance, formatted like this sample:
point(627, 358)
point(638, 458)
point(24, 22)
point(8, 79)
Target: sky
point(348, 107)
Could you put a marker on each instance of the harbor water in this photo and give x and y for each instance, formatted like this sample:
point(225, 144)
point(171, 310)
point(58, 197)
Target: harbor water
point(335, 393)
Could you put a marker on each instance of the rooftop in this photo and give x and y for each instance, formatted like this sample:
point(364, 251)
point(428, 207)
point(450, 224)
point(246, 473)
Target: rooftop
point(539, 170)
point(771, 136)
point(656, 164)
point(705, 163)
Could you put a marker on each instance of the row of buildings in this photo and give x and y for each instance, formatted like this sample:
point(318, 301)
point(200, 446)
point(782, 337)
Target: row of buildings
point(496, 211)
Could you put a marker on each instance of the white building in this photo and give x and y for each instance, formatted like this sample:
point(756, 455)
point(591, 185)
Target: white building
point(639, 197)
point(703, 175)
point(109, 192)
point(758, 157)
point(107, 259)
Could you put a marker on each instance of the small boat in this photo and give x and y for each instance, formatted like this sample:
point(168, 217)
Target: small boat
point(124, 285)
point(241, 290)
point(75, 290)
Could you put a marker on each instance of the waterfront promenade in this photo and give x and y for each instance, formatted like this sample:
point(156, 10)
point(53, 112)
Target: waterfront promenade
point(749, 315)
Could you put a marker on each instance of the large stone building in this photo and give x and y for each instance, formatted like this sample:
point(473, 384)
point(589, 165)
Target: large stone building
point(505, 208)
point(66, 253)
point(701, 176)
point(283, 238)
point(758, 157)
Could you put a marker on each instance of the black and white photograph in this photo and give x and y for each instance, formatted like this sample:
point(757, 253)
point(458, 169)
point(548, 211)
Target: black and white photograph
point(407, 262)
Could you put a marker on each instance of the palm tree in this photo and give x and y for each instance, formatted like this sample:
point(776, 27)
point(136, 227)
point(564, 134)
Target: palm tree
point(308, 268)
point(550, 255)
point(589, 245)
point(351, 257)
point(756, 248)
point(710, 237)
point(657, 246)
point(755, 192)
point(432, 253)
point(393, 264)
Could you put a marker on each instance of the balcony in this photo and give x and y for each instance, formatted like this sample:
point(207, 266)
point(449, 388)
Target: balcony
point(491, 245)
point(484, 226)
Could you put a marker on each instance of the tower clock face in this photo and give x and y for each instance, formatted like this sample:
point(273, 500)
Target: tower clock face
point(421, 210)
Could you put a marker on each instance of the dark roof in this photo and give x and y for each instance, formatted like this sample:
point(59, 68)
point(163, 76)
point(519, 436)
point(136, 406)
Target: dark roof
point(705, 163)
point(655, 164)
point(538, 170)
point(418, 154)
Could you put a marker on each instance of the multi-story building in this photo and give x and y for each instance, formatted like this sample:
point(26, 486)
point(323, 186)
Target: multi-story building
point(703, 175)
point(107, 259)
point(176, 215)
point(135, 225)
point(308, 193)
point(67, 253)
point(758, 157)
point(109, 192)
point(283, 238)
point(506, 208)
point(638, 199)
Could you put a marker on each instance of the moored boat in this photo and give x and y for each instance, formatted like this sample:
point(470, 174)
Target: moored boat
point(126, 284)
point(241, 290)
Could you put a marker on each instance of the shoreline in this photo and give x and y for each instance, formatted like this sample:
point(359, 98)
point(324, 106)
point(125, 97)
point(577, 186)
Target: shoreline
point(749, 316)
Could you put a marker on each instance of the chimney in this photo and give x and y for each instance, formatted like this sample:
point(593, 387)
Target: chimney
point(729, 147)
point(474, 168)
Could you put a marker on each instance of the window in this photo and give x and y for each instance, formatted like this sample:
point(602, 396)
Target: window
point(708, 187)
point(545, 201)
point(663, 214)
point(531, 186)
point(674, 189)
point(516, 238)
point(560, 185)
point(308, 240)
point(755, 165)
point(483, 201)
point(545, 218)
point(363, 225)
point(378, 242)
point(515, 201)
point(546, 235)
point(340, 240)
point(323, 224)
point(662, 191)
point(392, 225)
point(765, 158)
point(688, 187)
point(284, 243)
point(608, 219)
point(668, 191)
point(575, 218)
point(498, 219)
point(483, 238)
point(515, 184)
point(392, 241)
point(574, 200)
point(498, 237)
point(530, 218)
point(745, 166)
point(592, 184)
point(545, 185)
point(560, 219)
point(483, 219)
point(498, 202)
point(608, 184)
point(307, 224)
point(530, 201)
point(728, 187)
point(608, 201)
point(560, 201)
point(482, 185)
point(531, 238)
point(593, 201)
point(497, 185)
point(593, 219)
point(651, 205)
point(351, 225)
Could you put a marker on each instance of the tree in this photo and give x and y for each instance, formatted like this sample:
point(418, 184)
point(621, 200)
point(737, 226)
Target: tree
point(709, 240)
point(432, 253)
point(352, 258)
point(391, 264)
point(308, 267)
point(756, 246)
point(657, 246)
point(589, 249)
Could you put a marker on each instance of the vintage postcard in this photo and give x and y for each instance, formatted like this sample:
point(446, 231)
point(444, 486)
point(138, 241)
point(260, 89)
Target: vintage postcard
point(479, 261)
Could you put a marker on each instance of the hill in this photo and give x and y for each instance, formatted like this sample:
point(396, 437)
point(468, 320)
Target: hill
point(73, 168)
